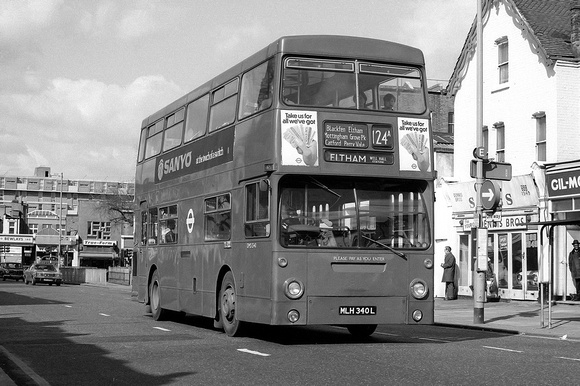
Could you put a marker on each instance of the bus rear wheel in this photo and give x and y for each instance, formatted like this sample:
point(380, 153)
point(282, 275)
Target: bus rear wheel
point(227, 306)
point(362, 330)
point(155, 298)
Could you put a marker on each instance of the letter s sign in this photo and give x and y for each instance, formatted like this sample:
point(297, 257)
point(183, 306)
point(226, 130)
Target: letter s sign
point(471, 202)
point(508, 199)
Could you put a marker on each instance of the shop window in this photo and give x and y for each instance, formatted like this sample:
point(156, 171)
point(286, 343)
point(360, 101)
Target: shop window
point(257, 221)
point(168, 224)
point(217, 217)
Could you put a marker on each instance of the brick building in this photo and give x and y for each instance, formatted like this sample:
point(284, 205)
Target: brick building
point(45, 212)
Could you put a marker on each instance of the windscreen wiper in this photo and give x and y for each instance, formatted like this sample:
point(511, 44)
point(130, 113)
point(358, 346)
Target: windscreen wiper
point(400, 254)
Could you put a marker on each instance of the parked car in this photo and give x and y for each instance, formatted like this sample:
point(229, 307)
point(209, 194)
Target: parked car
point(42, 273)
point(11, 271)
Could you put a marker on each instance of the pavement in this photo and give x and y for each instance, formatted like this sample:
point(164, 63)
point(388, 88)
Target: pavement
point(561, 320)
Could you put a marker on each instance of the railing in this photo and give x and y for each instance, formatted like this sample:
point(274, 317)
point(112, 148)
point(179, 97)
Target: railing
point(79, 275)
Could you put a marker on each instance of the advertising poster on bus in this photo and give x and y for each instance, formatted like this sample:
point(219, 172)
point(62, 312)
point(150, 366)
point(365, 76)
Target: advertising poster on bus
point(414, 144)
point(299, 138)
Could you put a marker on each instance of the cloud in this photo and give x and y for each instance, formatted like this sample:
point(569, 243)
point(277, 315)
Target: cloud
point(79, 125)
point(137, 23)
point(22, 18)
point(236, 38)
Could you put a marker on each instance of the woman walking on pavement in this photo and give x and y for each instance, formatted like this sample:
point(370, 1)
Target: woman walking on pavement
point(574, 266)
point(449, 274)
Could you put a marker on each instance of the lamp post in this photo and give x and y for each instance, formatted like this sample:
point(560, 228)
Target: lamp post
point(59, 223)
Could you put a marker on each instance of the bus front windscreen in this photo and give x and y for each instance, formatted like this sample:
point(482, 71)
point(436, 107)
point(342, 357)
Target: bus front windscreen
point(334, 212)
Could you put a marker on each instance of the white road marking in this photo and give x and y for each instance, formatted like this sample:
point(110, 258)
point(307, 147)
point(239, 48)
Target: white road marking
point(570, 359)
point(253, 352)
point(100, 313)
point(434, 340)
point(67, 306)
point(502, 349)
point(162, 329)
point(386, 333)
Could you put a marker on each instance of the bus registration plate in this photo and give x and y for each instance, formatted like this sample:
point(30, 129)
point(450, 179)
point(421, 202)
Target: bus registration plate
point(357, 310)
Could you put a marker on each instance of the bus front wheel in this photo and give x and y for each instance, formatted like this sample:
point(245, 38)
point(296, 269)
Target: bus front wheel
point(227, 306)
point(362, 330)
point(155, 298)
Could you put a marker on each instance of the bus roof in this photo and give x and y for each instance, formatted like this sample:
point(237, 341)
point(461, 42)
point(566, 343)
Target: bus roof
point(311, 45)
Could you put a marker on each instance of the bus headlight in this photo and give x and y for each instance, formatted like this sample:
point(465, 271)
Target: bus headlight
point(293, 316)
point(417, 315)
point(428, 263)
point(293, 289)
point(282, 262)
point(419, 289)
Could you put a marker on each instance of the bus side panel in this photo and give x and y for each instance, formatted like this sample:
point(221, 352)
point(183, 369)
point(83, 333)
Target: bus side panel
point(255, 256)
point(140, 280)
point(189, 274)
point(213, 257)
point(166, 264)
point(189, 264)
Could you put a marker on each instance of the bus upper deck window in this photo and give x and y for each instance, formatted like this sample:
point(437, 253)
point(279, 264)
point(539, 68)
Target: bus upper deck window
point(257, 89)
point(154, 137)
point(174, 131)
point(223, 109)
point(196, 120)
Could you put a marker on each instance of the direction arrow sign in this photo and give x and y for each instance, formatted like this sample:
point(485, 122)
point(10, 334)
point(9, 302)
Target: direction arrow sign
point(489, 195)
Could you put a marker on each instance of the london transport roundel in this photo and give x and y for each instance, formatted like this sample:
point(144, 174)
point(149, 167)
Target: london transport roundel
point(190, 220)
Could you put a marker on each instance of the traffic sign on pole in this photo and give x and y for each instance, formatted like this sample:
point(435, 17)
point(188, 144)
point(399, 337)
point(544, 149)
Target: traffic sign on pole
point(490, 195)
point(493, 170)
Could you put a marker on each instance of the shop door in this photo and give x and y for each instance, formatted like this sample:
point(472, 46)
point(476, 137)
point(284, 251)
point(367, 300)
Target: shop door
point(517, 268)
point(518, 265)
point(531, 266)
point(464, 272)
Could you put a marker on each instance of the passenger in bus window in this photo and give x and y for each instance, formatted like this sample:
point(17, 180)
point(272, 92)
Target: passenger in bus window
point(224, 202)
point(170, 236)
point(389, 102)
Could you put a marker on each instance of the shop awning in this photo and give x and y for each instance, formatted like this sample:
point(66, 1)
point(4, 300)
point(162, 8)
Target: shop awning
point(521, 192)
point(96, 255)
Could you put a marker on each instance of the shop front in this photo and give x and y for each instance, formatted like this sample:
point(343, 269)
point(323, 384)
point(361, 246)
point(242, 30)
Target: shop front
point(99, 253)
point(563, 193)
point(512, 242)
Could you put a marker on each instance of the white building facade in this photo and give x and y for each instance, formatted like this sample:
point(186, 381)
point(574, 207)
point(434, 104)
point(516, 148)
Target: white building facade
point(531, 120)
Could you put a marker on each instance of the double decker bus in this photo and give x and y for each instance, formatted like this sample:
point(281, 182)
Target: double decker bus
point(295, 188)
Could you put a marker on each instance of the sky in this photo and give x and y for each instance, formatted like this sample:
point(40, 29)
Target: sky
point(78, 77)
